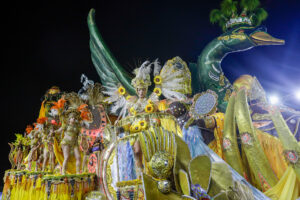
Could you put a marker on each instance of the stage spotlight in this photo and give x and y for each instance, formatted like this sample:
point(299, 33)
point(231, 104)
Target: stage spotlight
point(274, 99)
point(297, 95)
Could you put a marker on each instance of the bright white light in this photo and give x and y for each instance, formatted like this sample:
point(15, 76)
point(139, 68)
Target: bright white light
point(297, 94)
point(274, 99)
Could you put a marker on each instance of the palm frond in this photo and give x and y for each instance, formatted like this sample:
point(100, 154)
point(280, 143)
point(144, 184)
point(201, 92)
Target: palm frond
point(222, 24)
point(228, 7)
point(259, 15)
point(215, 15)
point(249, 5)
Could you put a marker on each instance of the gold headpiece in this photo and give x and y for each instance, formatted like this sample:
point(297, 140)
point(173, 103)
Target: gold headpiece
point(53, 90)
point(142, 76)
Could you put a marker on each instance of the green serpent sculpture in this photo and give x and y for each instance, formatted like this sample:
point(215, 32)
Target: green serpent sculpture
point(209, 74)
point(241, 33)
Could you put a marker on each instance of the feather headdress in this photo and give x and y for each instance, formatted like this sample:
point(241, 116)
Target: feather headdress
point(95, 94)
point(142, 75)
point(76, 107)
point(119, 101)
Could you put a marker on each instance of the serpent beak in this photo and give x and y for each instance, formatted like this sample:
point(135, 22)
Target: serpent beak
point(263, 38)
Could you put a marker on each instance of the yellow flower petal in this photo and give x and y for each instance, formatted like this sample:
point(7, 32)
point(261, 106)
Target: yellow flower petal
point(149, 108)
point(143, 124)
point(121, 90)
point(157, 79)
point(157, 91)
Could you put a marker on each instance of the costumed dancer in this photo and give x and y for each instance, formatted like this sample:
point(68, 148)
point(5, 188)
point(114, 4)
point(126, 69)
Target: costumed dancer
point(169, 81)
point(200, 122)
point(73, 120)
point(36, 143)
point(48, 141)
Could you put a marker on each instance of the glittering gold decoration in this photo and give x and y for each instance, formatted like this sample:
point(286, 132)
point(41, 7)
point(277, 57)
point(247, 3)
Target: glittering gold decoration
point(209, 122)
point(129, 183)
point(111, 189)
point(227, 95)
point(187, 77)
point(140, 83)
point(161, 165)
point(222, 80)
point(164, 186)
point(233, 36)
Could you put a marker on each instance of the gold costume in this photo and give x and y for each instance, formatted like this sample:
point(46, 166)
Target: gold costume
point(72, 132)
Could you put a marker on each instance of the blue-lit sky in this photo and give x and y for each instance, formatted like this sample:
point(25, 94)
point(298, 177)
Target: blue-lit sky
point(276, 67)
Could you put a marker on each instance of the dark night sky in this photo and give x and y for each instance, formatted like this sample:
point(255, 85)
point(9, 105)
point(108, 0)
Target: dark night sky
point(48, 44)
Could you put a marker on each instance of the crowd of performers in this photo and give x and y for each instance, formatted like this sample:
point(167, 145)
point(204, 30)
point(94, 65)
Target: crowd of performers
point(61, 119)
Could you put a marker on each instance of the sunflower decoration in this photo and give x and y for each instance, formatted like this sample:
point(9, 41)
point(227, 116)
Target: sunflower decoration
point(149, 108)
point(143, 124)
point(157, 91)
point(157, 80)
point(121, 90)
point(227, 16)
point(136, 127)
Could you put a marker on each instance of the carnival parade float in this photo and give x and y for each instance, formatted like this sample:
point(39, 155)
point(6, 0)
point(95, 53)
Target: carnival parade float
point(173, 131)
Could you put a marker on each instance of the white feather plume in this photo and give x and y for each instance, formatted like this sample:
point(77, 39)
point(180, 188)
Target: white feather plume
point(119, 101)
point(173, 95)
point(157, 67)
point(144, 70)
point(172, 82)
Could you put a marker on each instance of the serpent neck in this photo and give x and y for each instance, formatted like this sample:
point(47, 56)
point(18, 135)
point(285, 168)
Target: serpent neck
point(211, 57)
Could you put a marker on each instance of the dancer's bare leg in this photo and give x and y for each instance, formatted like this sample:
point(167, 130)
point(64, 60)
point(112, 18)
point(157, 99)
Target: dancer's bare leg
point(138, 157)
point(66, 152)
point(51, 160)
point(46, 155)
point(78, 159)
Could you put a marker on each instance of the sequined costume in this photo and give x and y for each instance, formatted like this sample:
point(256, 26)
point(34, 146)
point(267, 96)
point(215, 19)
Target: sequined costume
point(72, 132)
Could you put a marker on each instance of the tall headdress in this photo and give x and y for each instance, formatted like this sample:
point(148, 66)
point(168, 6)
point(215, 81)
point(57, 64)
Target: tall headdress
point(76, 107)
point(142, 76)
point(233, 13)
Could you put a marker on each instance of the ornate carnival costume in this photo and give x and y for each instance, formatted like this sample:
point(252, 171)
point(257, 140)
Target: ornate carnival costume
point(144, 124)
